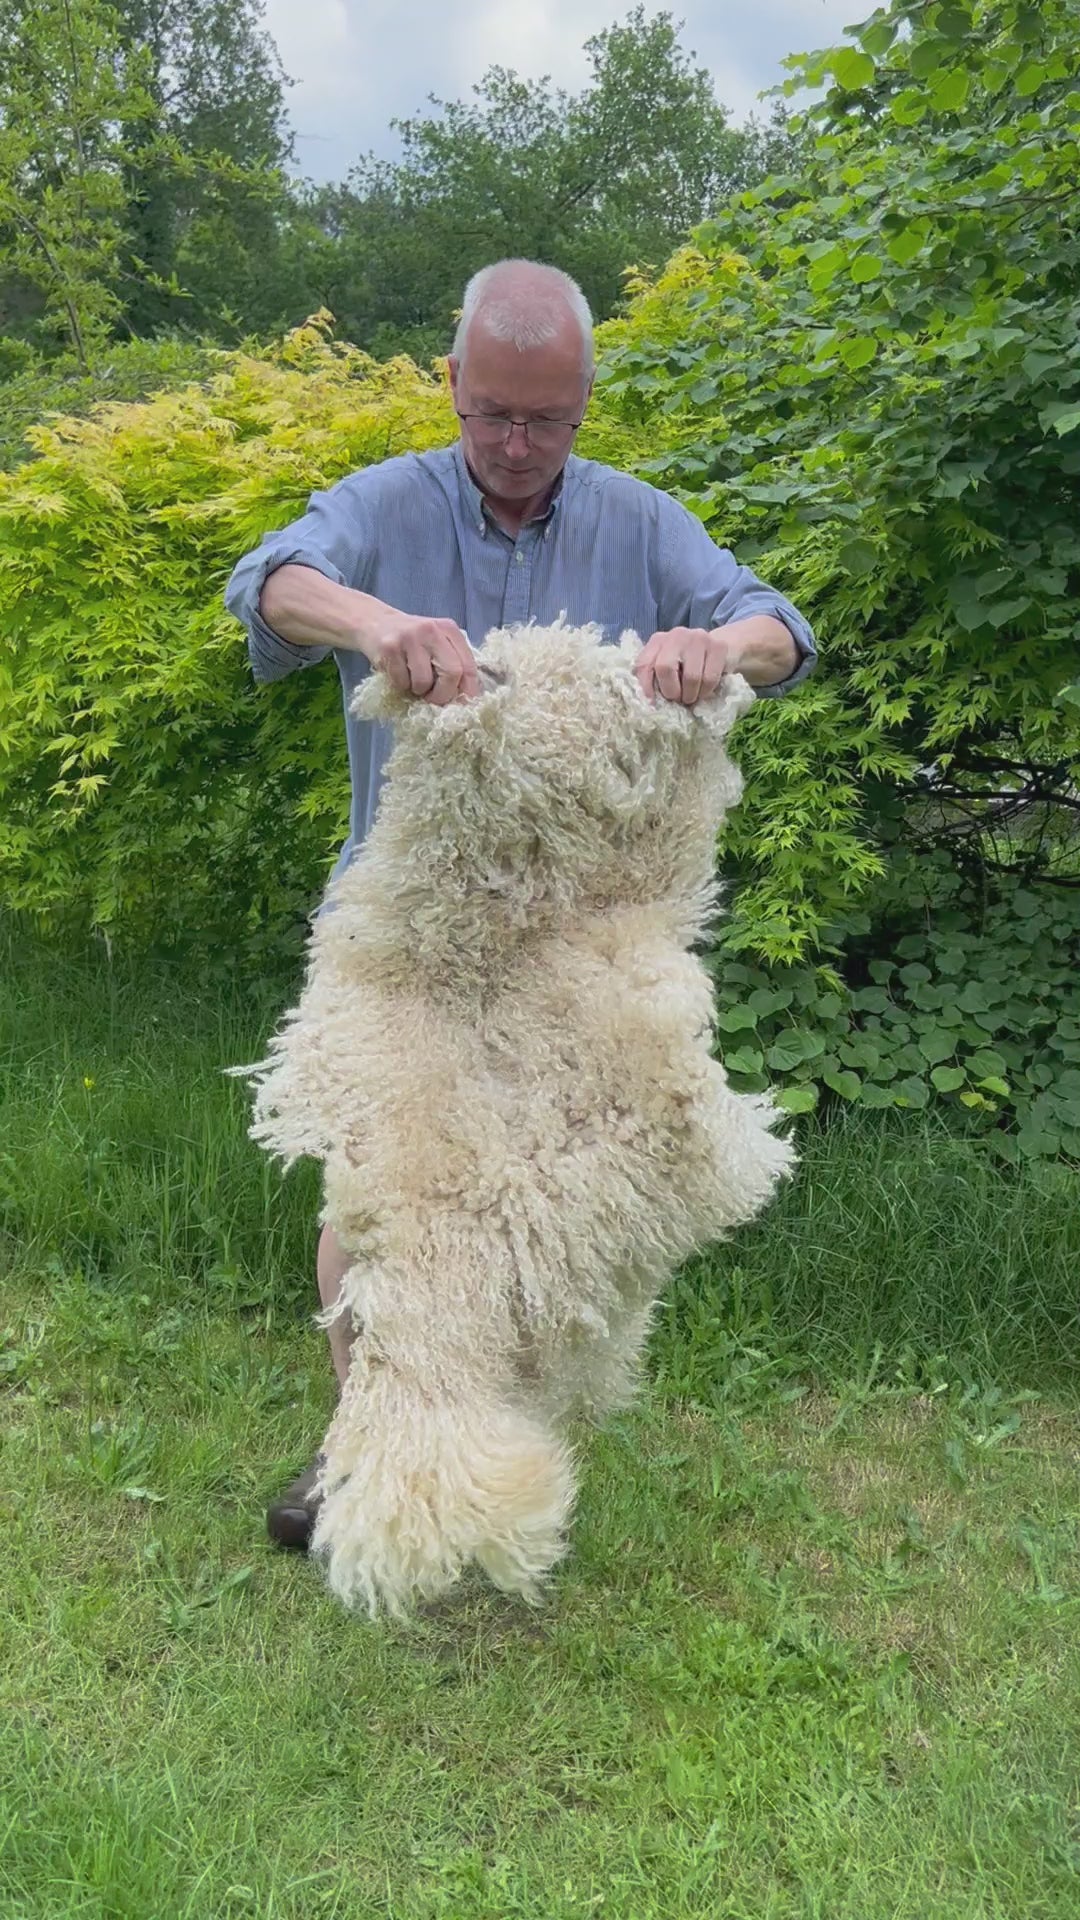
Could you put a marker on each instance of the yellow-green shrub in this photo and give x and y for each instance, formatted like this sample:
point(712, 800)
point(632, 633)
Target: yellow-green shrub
point(146, 786)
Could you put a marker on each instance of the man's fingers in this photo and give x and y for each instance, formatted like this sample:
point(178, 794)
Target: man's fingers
point(468, 678)
point(645, 666)
point(686, 664)
point(396, 668)
point(421, 665)
point(694, 653)
point(454, 667)
point(667, 674)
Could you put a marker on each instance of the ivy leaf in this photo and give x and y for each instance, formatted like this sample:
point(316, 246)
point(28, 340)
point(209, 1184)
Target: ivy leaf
point(904, 246)
point(938, 1044)
point(909, 107)
point(986, 1061)
point(736, 1019)
point(848, 1085)
point(950, 91)
point(875, 1096)
point(858, 352)
point(859, 557)
point(871, 1000)
point(877, 36)
point(926, 56)
point(954, 22)
point(915, 973)
point(744, 1060)
point(912, 1093)
point(1038, 1143)
point(1063, 419)
point(948, 1079)
point(766, 1000)
point(798, 1099)
point(792, 1047)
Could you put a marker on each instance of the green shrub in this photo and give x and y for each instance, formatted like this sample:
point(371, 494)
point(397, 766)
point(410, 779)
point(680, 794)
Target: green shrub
point(868, 378)
point(146, 786)
point(973, 1006)
point(32, 389)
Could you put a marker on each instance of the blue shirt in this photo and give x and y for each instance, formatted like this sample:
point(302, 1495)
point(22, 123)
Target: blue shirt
point(414, 531)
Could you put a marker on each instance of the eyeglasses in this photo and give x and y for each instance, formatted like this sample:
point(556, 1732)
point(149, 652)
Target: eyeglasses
point(538, 433)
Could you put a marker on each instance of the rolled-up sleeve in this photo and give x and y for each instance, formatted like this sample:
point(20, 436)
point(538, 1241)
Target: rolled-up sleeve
point(703, 585)
point(333, 536)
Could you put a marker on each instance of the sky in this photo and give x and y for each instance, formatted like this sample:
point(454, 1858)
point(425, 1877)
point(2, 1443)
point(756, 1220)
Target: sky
point(358, 64)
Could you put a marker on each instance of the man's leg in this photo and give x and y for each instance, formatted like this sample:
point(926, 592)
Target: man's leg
point(292, 1517)
point(332, 1264)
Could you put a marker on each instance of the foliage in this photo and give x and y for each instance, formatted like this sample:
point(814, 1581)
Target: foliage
point(141, 147)
point(589, 182)
point(62, 95)
point(32, 387)
point(145, 786)
point(206, 204)
point(866, 373)
point(970, 1006)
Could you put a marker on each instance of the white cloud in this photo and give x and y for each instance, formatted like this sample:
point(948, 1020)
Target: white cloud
point(358, 64)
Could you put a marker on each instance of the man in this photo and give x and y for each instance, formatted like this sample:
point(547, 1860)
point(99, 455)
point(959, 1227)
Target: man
point(405, 567)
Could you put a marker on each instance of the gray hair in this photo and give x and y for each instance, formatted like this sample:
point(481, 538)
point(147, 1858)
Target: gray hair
point(524, 302)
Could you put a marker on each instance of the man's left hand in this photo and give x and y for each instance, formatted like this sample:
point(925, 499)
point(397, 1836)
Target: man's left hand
point(687, 663)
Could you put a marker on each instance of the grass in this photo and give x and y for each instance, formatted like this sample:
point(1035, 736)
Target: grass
point(815, 1651)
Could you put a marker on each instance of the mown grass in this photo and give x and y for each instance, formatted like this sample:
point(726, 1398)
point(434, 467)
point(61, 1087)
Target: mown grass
point(815, 1650)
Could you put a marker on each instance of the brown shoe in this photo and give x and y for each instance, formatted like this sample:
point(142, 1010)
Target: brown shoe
point(290, 1521)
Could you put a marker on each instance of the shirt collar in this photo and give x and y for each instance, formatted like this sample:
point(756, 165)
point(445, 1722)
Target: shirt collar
point(472, 499)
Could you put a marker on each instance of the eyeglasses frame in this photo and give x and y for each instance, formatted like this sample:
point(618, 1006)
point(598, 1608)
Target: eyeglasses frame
point(508, 421)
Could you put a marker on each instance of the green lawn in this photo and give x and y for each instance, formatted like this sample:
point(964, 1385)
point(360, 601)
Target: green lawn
point(816, 1651)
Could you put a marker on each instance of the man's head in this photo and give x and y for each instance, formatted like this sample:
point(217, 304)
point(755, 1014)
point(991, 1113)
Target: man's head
point(524, 349)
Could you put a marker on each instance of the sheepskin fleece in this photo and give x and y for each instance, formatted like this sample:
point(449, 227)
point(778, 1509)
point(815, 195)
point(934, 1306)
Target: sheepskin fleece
point(501, 1056)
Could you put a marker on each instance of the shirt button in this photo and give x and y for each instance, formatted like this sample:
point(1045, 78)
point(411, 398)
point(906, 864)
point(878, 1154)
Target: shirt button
point(520, 557)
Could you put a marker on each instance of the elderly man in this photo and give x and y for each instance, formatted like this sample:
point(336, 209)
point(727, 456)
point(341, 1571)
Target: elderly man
point(405, 567)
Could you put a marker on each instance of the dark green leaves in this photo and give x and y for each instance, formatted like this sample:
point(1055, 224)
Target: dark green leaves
point(1009, 969)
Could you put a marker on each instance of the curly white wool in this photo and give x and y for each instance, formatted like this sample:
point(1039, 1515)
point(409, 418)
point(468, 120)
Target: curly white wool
point(502, 1057)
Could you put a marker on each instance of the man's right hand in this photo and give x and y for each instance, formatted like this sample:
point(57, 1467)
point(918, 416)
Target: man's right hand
point(429, 658)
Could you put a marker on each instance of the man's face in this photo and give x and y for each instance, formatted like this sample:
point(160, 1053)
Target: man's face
point(542, 384)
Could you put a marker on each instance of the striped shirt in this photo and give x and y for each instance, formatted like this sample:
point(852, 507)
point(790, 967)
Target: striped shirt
point(415, 532)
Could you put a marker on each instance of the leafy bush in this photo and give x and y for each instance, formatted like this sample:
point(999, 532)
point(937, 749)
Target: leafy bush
point(869, 376)
point(865, 378)
point(32, 388)
point(976, 1009)
point(146, 787)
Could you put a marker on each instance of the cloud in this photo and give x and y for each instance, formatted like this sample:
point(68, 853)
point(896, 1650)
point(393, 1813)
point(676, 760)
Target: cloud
point(358, 64)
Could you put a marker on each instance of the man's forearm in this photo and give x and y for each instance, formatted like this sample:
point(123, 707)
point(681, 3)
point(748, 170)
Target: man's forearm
point(762, 649)
point(309, 610)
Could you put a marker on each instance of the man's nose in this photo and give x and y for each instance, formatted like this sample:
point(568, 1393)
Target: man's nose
point(520, 443)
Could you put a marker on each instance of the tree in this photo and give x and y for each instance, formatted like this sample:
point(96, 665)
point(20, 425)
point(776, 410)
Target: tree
point(63, 94)
point(207, 201)
point(591, 183)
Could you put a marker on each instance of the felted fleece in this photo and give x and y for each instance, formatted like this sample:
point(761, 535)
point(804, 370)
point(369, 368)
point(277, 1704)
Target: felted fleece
point(502, 1057)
